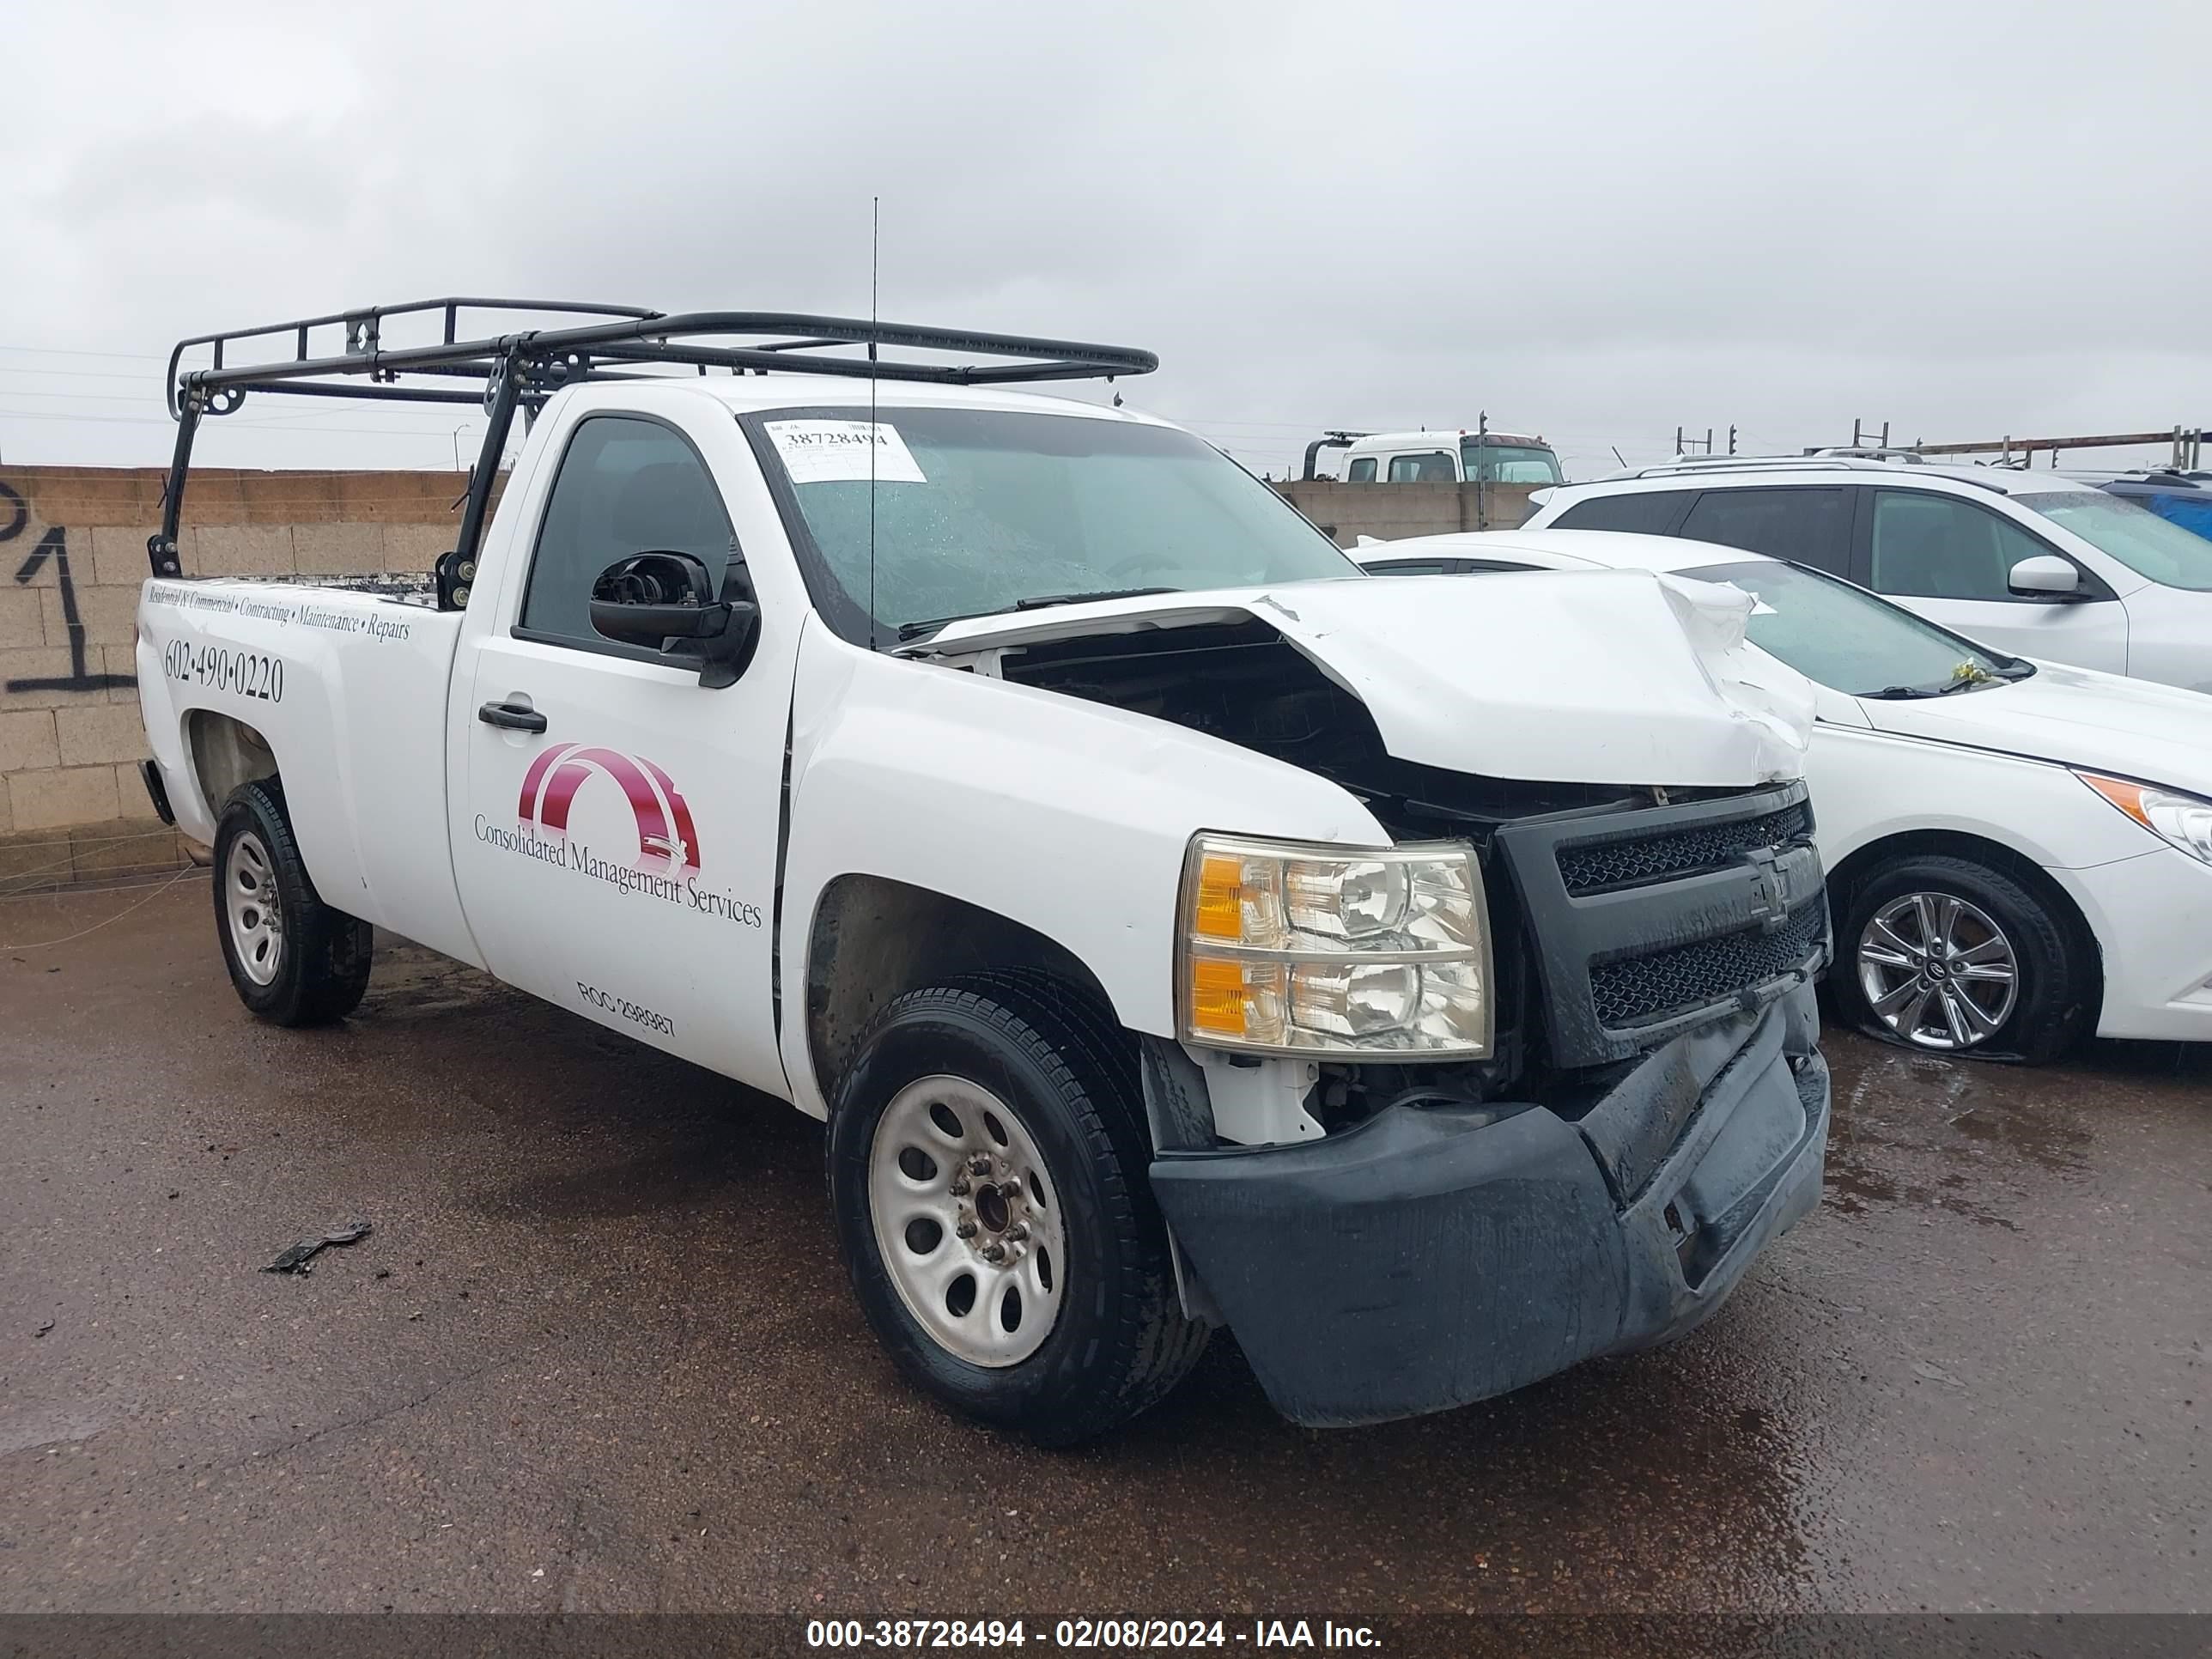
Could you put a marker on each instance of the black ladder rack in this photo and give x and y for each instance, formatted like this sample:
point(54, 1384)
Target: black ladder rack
point(521, 367)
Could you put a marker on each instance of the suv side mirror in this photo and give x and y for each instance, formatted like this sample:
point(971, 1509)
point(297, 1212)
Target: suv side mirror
point(666, 602)
point(2046, 576)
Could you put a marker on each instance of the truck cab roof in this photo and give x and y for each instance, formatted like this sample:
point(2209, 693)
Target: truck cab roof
point(746, 393)
point(1377, 442)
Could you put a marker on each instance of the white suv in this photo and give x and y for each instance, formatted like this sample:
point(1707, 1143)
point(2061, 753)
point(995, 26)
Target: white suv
point(2033, 563)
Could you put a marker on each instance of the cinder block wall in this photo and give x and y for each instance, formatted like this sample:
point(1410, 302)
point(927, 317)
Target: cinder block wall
point(72, 556)
point(1390, 512)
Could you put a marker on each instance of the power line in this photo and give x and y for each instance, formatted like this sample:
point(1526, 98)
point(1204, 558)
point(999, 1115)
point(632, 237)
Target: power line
point(70, 351)
point(138, 376)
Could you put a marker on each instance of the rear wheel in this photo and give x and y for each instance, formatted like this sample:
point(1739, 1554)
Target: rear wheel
point(293, 960)
point(1948, 956)
point(988, 1172)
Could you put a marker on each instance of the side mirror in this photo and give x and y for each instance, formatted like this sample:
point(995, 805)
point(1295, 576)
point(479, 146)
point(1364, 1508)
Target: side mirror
point(666, 601)
point(2046, 576)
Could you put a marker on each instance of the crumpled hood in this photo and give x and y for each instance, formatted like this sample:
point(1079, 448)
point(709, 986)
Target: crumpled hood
point(2075, 717)
point(1615, 676)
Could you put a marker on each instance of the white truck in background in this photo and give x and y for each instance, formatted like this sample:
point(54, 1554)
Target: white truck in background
point(1461, 456)
point(1175, 926)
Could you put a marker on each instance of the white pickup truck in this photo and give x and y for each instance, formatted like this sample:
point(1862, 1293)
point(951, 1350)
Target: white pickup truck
point(1175, 926)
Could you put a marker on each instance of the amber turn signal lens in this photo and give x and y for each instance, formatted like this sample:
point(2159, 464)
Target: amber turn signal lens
point(1220, 910)
point(2127, 797)
point(1216, 996)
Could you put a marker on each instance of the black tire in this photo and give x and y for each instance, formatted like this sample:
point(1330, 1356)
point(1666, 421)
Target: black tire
point(2054, 986)
point(1070, 1075)
point(322, 955)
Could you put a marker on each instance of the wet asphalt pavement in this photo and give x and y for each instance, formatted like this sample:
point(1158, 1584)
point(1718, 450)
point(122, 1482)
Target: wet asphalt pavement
point(598, 1353)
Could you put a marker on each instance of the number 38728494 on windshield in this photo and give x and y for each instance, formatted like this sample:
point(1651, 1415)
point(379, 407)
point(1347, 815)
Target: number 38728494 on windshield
point(248, 673)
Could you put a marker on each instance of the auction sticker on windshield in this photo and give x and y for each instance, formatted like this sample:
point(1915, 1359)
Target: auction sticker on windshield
point(834, 452)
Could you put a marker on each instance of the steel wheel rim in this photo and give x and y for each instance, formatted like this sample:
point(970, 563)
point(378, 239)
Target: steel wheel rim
point(253, 909)
point(953, 1170)
point(1938, 971)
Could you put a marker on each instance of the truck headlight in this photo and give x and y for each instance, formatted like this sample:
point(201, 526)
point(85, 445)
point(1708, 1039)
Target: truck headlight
point(1290, 948)
point(2184, 820)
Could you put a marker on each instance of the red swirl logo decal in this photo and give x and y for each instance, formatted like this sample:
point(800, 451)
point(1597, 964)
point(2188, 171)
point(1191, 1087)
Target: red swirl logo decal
point(666, 835)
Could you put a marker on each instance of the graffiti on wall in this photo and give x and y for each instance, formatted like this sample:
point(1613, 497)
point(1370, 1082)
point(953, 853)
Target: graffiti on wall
point(52, 547)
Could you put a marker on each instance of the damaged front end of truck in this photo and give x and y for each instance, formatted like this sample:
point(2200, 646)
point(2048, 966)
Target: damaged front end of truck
point(1584, 1158)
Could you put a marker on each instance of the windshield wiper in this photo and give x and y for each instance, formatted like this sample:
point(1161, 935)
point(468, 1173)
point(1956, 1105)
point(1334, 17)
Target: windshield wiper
point(1039, 601)
point(915, 630)
point(1958, 683)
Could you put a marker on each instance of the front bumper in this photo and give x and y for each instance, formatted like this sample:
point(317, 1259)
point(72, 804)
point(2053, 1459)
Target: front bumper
point(1435, 1255)
point(2152, 915)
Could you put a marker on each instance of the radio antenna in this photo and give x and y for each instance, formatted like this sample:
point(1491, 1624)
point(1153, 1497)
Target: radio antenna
point(875, 249)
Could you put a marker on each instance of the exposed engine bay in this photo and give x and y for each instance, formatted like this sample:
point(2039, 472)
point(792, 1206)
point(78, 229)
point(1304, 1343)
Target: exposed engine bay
point(1244, 683)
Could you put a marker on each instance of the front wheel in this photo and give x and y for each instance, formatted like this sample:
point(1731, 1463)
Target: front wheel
point(293, 959)
point(1951, 957)
point(989, 1175)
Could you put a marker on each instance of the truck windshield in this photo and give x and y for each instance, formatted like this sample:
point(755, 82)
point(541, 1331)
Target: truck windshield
point(975, 511)
point(1512, 464)
point(1845, 638)
point(2140, 539)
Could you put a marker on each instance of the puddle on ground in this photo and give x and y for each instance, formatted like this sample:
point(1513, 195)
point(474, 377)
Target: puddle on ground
point(1896, 1113)
point(411, 983)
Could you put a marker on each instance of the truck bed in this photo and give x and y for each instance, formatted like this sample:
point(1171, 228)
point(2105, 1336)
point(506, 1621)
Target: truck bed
point(345, 682)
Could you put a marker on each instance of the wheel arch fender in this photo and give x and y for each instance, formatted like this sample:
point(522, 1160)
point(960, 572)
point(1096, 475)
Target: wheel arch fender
point(221, 751)
point(224, 752)
point(871, 940)
point(1051, 826)
point(1851, 872)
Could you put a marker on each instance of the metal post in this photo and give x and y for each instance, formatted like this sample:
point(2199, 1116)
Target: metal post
point(161, 550)
point(1481, 489)
point(457, 571)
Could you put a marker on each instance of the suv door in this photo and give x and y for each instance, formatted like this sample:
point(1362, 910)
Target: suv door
point(1643, 511)
point(1950, 558)
point(1801, 524)
point(620, 858)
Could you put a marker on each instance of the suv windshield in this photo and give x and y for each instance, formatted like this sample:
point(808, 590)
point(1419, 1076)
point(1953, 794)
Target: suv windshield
point(1844, 637)
point(1513, 464)
point(2148, 545)
point(978, 510)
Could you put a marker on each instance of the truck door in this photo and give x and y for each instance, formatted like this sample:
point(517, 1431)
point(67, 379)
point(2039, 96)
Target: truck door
point(615, 841)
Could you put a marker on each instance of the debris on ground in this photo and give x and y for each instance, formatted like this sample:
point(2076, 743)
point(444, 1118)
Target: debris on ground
point(300, 1259)
point(43, 1329)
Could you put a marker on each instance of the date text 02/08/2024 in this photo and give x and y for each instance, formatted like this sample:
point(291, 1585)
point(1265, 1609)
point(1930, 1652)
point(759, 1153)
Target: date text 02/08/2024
point(1111, 1634)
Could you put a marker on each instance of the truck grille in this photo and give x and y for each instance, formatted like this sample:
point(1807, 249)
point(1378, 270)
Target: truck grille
point(1637, 990)
point(1598, 867)
point(1646, 923)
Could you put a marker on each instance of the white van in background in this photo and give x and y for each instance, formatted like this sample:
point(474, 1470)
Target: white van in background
point(1442, 456)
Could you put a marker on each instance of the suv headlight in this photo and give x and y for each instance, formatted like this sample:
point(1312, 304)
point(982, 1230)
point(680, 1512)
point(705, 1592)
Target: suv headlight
point(2184, 820)
point(1290, 948)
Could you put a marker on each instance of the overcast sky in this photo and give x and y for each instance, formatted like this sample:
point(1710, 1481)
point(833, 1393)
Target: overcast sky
point(1594, 219)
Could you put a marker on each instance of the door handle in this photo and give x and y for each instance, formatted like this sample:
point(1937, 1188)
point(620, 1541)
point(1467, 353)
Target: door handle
point(515, 717)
